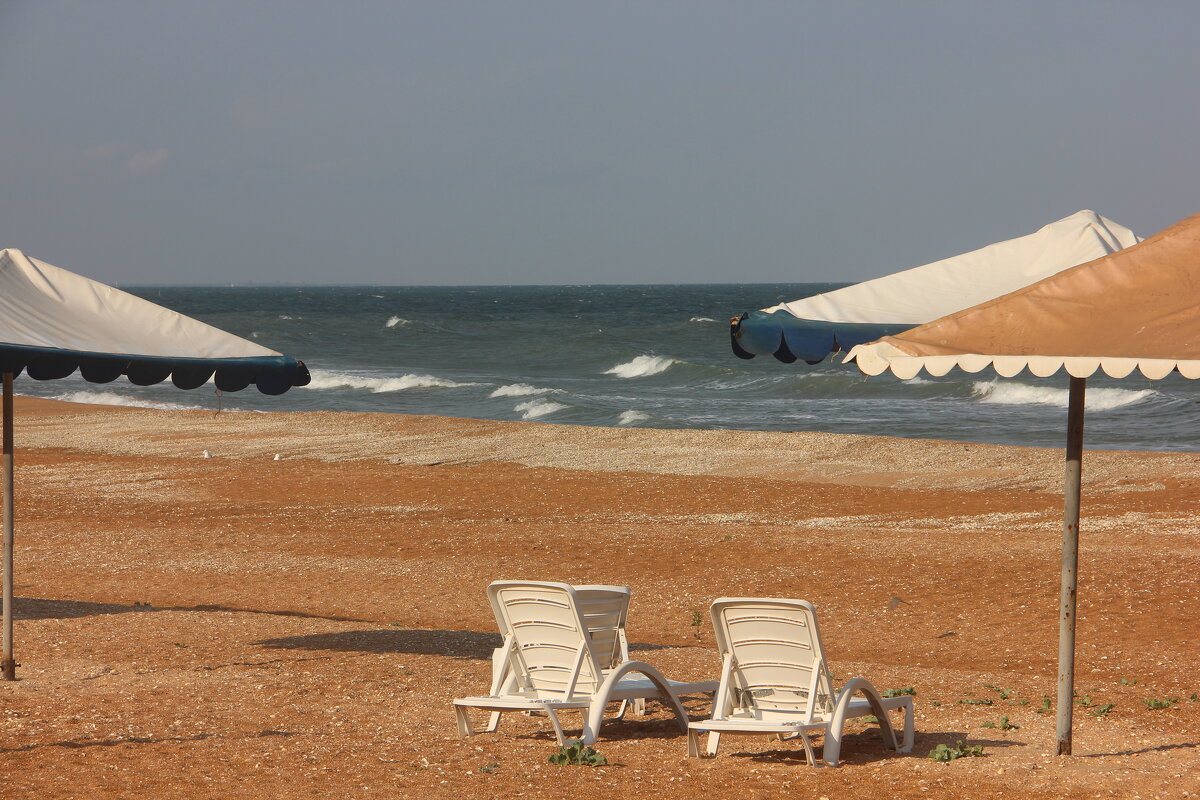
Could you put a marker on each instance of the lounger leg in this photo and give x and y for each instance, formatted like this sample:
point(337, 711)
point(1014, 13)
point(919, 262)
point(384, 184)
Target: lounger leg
point(558, 731)
point(464, 721)
point(808, 749)
point(906, 745)
point(493, 722)
point(832, 749)
point(714, 741)
point(621, 710)
point(639, 707)
point(693, 743)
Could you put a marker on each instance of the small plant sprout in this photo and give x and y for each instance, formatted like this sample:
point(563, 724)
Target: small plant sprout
point(697, 621)
point(1154, 704)
point(1004, 693)
point(1129, 681)
point(1003, 724)
point(1102, 711)
point(1194, 697)
point(577, 755)
point(1085, 701)
point(490, 767)
point(1044, 708)
point(899, 692)
point(976, 701)
point(960, 750)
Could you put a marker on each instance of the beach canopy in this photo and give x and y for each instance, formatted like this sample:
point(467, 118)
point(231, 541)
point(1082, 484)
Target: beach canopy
point(53, 322)
point(1134, 309)
point(813, 327)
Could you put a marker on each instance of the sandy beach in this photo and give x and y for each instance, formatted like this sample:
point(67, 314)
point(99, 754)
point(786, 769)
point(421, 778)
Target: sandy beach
point(245, 627)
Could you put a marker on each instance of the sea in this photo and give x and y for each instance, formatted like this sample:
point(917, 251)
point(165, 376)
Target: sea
point(618, 356)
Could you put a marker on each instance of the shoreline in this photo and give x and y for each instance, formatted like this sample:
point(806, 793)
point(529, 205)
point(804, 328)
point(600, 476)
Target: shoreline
point(417, 440)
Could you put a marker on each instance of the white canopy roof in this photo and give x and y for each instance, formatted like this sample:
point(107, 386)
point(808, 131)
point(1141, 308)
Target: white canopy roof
point(918, 295)
point(53, 322)
point(42, 305)
point(1135, 309)
point(813, 327)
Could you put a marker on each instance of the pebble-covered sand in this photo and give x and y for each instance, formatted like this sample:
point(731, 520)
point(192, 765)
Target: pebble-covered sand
point(245, 627)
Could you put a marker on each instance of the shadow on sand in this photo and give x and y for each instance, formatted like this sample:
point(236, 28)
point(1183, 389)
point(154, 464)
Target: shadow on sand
point(866, 746)
point(33, 608)
point(1162, 748)
point(30, 608)
point(76, 744)
point(456, 644)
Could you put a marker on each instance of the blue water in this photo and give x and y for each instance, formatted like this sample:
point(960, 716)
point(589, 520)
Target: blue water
point(638, 356)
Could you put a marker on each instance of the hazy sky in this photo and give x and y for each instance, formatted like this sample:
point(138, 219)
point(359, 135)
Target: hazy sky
point(580, 142)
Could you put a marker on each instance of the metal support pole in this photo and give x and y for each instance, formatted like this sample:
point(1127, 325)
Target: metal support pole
point(1070, 565)
point(8, 665)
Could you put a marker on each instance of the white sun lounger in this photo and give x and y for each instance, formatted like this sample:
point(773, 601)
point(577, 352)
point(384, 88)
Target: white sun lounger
point(775, 681)
point(551, 661)
point(605, 609)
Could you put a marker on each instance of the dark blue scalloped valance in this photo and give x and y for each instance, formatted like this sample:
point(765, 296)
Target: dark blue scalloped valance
point(270, 374)
point(788, 338)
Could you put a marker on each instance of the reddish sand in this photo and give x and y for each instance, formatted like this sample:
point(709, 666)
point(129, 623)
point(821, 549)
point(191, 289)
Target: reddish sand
point(240, 627)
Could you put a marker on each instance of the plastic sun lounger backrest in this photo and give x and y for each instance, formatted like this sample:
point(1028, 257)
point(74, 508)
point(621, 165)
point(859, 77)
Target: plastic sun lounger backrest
point(552, 652)
point(605, 610)
point(777, 660)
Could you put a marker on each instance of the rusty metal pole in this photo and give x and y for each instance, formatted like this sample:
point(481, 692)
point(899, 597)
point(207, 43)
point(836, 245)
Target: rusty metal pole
point(8, 665)
point(1070, 565)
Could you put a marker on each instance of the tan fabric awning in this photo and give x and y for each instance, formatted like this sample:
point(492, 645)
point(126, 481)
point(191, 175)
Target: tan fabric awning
point(1138, 308)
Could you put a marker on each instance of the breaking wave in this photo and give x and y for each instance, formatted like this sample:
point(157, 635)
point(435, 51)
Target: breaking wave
point(632, 417)
point(322, 379)
point(1010, 393)
point(642, 366)
point(401, 321)
point(701, 319)
point(522, 390)
point(114, 399)
point(533, 409)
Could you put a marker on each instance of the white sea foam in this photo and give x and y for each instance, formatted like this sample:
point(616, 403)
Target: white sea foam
point(1010, 393)
point(394, 321)
point(701, 319)
point(531, 409)
point(917, 382)
point(285, 316)
point(522, 390)
point(632, 417)
point(642, 366)
point(322, 379)
point(114, 399)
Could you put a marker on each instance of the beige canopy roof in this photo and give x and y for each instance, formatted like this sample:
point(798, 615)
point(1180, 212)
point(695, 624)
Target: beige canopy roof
point(1138, 308)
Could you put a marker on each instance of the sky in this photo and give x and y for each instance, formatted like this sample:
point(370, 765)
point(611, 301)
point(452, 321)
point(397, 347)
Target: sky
point(558, 142)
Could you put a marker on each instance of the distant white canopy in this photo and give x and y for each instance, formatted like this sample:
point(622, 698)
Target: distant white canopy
point(812, 327)
point(53, 322)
